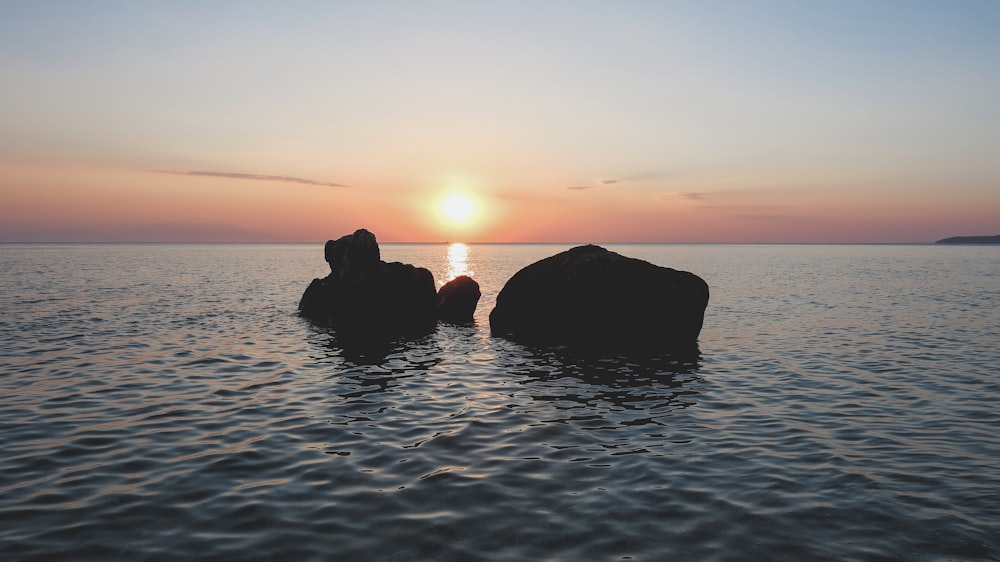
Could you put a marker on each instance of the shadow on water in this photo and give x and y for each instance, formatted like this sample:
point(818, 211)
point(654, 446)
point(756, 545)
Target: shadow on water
point(579, 409)
point(594, 379)
point(363, 349)
point(338, 348)
point(575, 377)
point(358, 349)
point(361, 369)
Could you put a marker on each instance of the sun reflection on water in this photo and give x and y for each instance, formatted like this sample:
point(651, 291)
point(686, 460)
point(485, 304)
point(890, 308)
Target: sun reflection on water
point(458, 261)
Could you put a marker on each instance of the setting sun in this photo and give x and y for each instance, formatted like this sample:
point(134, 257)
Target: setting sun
point(458, 208)
point(465, 212)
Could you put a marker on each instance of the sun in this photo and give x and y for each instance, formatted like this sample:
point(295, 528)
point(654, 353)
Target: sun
point(458, 208)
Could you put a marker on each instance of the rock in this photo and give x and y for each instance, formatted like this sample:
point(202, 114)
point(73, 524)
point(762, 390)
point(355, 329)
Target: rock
point(409, 296)
point(366, 297)
point(353, 257)
point(457, 299)
point(590, 296)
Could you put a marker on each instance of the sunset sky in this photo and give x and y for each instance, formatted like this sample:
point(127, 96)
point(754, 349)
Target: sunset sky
point(631, 121)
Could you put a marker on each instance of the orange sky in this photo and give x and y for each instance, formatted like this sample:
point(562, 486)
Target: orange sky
point(606, 123)
point(114, 204)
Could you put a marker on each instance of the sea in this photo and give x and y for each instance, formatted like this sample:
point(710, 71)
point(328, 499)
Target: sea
point(167, 402)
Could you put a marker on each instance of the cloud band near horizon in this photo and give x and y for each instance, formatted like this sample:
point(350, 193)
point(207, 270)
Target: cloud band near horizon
point(256, 177)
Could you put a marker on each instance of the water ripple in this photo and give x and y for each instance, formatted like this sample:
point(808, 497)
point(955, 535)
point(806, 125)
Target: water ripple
point(166, 402)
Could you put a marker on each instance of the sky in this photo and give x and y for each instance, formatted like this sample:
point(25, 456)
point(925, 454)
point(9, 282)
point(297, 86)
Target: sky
point(714, 121)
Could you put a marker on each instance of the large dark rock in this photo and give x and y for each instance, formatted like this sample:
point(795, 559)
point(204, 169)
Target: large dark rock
point(366, 297)
point(592, 297)
point(457, 299)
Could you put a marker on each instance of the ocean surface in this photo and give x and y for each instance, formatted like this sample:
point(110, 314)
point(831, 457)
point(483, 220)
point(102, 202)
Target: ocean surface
point(167, 402)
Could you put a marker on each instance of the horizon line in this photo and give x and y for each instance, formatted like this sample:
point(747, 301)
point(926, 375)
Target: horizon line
point(448, 242)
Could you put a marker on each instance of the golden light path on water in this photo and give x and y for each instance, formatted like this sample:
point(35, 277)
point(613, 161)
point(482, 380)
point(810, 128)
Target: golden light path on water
point(458, 261)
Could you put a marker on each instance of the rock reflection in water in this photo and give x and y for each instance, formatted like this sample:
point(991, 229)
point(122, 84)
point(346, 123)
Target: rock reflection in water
point(604, 391)
point(421, 351)
point(601, 401)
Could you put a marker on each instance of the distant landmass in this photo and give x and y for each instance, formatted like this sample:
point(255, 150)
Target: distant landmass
point(970, 240)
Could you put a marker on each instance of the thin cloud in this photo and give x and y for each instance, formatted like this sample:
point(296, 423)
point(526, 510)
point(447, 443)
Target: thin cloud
point(696, 195)
point(773, 218)
point(675, 173)
point(634, 178)
point(582, 187)
point(653, 176)
point(256, 177)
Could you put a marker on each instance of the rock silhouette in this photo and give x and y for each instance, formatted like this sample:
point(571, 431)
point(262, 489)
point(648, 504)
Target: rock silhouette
point(590, 296)
point(367, 300)
point(366, 297)
point(457, 299)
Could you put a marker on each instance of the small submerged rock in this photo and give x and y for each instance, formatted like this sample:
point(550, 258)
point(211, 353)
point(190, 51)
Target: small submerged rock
point(368, 299)
point(593, 297)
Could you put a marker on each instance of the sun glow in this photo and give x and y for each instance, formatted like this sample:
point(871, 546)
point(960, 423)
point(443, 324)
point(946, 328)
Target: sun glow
point(458, 208)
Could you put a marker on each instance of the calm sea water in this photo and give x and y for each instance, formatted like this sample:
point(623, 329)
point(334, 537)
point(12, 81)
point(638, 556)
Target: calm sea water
point(166, 402)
